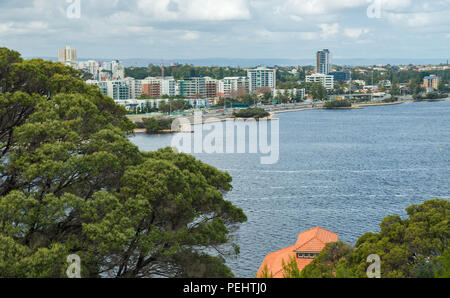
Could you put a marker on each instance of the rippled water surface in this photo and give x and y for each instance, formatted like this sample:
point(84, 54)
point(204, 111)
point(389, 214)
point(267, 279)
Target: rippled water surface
point(342, 170)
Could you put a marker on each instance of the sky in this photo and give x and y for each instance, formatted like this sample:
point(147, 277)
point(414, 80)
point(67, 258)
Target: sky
point(195, 29)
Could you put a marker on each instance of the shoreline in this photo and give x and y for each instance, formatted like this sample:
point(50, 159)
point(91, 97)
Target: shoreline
point(272, 116)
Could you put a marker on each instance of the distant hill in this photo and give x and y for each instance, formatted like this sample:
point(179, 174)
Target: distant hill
point(243, 62)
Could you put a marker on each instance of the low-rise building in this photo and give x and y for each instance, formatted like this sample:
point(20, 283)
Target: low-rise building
point(431, 82)
point(327, 81)
point(233, 86)
point(343, 76)
point(292, 92)
point(309, 244)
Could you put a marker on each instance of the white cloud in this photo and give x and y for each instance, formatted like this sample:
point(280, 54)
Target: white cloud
point(393, 5)
point(141, 29)
point(5, 28)
point(320, 7)
point(234, 27)
point(195, 10)
point(308, 35)
point(355, 32)
point(329, 30)
point(295, 18)
point(190, 35)
point(22, 28)
point(411, 19)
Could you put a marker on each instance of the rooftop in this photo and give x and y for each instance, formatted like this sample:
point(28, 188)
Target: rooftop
point(311, 241)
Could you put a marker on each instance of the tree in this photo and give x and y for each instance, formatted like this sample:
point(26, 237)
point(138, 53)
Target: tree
point(267, 96)
point(290, 268)
point(298, 96)
point(72, 183)
point(164, 107)
point(395, 89)
point(328, 263)
point(344, 103)
point(251, 113)
point(442, 87)
point(415, 87)
point(156, 125)
point(318, 92)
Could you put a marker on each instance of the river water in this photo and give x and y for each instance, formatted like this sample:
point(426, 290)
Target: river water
point(343, 170)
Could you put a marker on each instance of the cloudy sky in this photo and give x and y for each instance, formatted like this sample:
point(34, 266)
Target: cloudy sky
point(169, 29)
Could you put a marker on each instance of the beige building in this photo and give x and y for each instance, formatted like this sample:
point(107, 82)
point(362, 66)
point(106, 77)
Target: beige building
point(431, 82)
point(68, 56)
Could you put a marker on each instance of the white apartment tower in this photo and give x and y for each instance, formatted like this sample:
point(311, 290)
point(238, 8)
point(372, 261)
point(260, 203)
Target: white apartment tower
point(261, 77)
point(229, 85)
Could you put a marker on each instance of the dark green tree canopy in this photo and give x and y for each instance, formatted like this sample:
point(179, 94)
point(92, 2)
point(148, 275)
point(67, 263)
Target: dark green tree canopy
point(72, 183)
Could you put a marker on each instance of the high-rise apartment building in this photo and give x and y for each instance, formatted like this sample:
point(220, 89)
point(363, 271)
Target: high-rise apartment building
point(192, 87)
point(67, 56)
point(92, 67)
point(168, 86)
point(323, 61)
point(156, 87)
point(261, 77)
point(211, 86)
point(119, 89)
point(151, 87)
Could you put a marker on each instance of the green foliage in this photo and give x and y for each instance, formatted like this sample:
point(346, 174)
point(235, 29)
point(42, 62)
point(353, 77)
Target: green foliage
point(180, 72)
point(318, 91)
point(251, 113)
point(71, 182)
point(156, 125)
point(338, 104)
point(442, 265)
point(435, 95)
point(265, 273)
point(391, 99)
point(430, 96)
point(174, 105)
point(329, 262)
point(443, 87)
point(290, 268)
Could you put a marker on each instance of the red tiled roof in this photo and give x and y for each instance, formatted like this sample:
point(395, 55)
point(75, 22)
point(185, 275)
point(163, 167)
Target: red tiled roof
point(313, 240)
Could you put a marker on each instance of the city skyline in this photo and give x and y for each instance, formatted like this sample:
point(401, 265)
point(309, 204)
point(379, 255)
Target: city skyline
point(179, 29)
